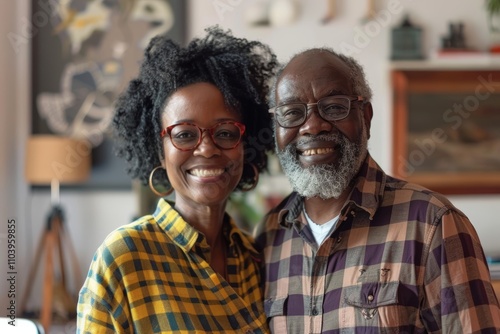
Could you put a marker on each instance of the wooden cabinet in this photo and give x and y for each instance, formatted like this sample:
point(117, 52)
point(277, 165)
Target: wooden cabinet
point(496, 287)
point(446, 126)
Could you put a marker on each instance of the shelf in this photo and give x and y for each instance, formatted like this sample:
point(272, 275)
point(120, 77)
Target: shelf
point(462, 61)
point(494, 270)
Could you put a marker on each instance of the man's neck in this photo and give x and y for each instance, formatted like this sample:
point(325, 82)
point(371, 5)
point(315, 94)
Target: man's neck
point(322, 210)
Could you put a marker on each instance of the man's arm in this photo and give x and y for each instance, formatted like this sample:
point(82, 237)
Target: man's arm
point(459, 297)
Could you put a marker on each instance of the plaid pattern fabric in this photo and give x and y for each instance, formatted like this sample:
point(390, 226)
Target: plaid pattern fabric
point(402, 260)
point(153, 276)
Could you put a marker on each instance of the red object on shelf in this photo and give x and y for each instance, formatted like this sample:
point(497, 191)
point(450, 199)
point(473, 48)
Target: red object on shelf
point(449, 52)
point(495, 49)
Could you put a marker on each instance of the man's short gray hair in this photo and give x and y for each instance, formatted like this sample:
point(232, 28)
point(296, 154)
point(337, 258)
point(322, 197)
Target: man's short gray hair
point(357, 75)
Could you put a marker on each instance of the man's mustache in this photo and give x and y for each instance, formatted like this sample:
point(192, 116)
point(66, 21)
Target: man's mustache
point(335, 137)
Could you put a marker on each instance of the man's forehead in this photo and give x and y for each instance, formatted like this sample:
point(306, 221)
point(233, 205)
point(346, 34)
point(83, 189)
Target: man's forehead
point(293, 84)
point(314, 58)
point(319, 78)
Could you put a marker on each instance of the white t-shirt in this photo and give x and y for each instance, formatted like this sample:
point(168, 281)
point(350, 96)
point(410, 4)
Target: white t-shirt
point(320, 232)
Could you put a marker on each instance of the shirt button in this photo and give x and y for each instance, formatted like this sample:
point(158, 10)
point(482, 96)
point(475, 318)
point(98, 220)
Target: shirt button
point(314, 311)
point(370, 298)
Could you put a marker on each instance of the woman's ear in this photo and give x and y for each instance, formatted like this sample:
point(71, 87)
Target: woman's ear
point(161, 157)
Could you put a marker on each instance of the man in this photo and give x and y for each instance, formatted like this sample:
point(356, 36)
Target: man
point(352, 249)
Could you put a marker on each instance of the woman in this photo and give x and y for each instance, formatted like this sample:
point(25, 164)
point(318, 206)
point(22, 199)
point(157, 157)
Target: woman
point(196, 117)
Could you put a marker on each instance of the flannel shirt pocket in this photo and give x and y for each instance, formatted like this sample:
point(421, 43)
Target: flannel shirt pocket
point(372, 295)
point(372, 305)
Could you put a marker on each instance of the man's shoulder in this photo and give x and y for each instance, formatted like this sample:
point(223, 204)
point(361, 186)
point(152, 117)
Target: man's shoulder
point(377, 189)
point(401, 191)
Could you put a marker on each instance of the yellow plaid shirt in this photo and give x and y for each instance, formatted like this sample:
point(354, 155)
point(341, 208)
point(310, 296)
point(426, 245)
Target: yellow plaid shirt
point(153, 276)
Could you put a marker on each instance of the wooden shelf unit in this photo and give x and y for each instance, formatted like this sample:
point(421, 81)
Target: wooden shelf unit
point(411, 81)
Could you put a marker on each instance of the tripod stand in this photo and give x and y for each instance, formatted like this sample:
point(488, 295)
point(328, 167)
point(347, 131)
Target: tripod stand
point(52, 242)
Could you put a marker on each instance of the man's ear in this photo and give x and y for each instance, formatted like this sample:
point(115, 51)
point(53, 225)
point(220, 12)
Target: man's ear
point(367, 116)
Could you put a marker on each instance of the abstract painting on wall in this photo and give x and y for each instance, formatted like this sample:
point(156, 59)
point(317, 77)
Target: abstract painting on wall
point(83, 58)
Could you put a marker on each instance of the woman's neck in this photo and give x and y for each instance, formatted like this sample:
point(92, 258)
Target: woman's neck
point(207, 219)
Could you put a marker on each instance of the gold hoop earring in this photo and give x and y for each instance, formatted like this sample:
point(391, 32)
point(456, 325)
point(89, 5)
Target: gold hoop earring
point(255, 180)
point(152, 186)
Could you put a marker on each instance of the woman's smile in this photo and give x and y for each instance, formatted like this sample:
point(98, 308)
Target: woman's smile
point(206, 173)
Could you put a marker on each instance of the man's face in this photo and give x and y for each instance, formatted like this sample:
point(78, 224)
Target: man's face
point(320, 157)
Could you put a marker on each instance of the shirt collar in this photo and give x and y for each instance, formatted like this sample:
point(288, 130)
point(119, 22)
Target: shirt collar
point(169, 220)
point(186, 236)
point(369, 187)
point(367, 193)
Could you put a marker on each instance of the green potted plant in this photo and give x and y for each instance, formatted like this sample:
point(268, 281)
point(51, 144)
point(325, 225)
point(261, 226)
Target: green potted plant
point(493, 9)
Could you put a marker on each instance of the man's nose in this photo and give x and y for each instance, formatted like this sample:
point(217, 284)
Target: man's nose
point(315, 124)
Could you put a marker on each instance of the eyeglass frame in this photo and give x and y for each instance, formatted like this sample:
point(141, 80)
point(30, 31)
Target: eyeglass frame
point(350, 98)
point(168, 130)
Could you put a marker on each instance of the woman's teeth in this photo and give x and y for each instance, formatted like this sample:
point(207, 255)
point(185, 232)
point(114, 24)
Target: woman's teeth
point(315, 151)
point(206, 172)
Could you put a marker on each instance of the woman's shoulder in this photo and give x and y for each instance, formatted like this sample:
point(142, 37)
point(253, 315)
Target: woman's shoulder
point(130, 238)
point(136, 229)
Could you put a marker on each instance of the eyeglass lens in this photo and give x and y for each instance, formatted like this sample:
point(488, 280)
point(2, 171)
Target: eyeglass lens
point(331, 108)
point(188, 136)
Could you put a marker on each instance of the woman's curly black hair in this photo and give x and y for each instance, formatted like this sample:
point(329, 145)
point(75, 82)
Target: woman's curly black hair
point(239, 68)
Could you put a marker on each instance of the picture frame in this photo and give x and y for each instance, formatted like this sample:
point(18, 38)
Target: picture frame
point(446, 129)
point(84, 53)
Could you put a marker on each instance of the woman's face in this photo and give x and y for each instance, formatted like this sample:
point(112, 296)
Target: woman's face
point(207, 174)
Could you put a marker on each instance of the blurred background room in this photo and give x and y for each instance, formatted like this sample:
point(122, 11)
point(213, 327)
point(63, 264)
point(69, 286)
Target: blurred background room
point(434, 67)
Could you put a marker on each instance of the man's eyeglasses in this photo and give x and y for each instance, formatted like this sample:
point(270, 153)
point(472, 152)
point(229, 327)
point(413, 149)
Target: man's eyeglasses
point(187, 136)
point(331, 108)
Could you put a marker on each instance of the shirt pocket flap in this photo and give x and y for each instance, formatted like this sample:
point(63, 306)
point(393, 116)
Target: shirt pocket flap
point(275, 306)
point(372, 294)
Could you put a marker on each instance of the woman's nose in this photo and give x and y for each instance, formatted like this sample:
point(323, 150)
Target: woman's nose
point(207, 147)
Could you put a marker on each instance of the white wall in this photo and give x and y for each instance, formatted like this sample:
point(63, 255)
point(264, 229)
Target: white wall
point(13, 69)
point(91, 215)
point(373, 43)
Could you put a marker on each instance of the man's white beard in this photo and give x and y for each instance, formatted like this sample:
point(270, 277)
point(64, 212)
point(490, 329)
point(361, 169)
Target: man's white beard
point(326, 180)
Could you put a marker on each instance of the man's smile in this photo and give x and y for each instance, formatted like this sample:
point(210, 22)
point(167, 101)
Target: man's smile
point(316, 151)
